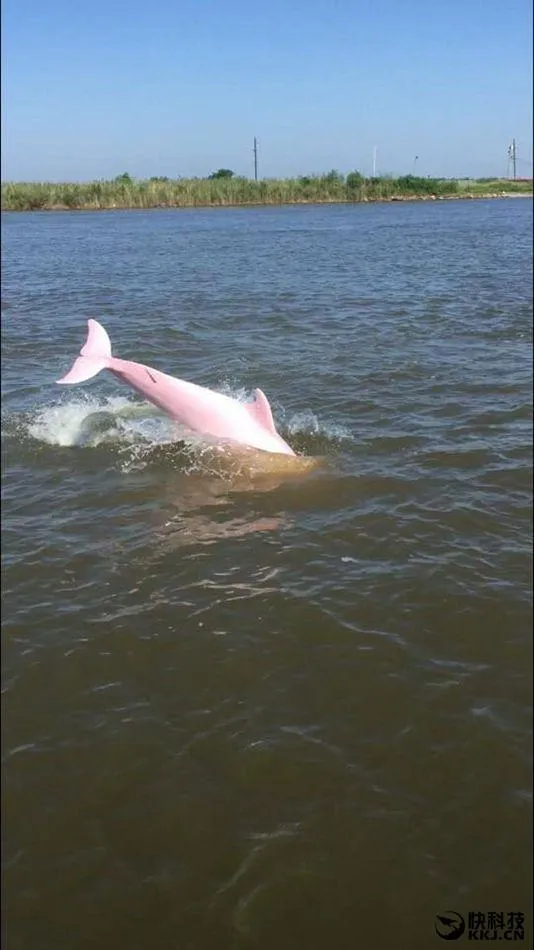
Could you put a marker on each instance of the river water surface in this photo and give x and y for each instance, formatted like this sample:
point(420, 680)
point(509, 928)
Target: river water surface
point(286, 712)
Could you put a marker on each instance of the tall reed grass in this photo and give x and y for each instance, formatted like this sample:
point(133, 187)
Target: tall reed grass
point(125, 192)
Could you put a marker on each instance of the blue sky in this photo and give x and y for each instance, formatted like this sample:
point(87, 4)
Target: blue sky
point(92, 89)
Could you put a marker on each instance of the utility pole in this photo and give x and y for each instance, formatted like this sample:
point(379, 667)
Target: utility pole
point(512, 156)
point(374, 162)
point(255, 150)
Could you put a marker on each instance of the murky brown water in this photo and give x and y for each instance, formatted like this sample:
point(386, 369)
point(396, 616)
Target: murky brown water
point(249, 712)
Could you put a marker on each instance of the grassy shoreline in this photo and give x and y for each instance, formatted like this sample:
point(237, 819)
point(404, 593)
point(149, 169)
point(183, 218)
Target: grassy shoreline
point(125, 193)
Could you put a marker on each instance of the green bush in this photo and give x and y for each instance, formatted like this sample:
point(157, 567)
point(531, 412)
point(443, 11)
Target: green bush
point(355, 181)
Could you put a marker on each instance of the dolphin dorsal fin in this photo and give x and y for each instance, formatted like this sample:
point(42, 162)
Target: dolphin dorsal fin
point(261, 411)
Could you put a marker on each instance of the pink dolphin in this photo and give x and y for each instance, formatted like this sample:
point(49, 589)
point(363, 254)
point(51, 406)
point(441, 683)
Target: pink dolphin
point(201, 410)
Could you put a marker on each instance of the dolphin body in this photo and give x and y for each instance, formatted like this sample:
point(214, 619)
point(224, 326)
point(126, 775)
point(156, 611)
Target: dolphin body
point(202, 410)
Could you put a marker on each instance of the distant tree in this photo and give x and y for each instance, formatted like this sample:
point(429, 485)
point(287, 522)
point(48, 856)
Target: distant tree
point(355, 180)
point(333, 177)
point(124, 179)
point(222, 173)
point(159, 178)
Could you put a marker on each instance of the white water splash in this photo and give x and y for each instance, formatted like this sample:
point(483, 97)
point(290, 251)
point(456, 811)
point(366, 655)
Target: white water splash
point(307, 423)
point(136, 428)
point(86, 420)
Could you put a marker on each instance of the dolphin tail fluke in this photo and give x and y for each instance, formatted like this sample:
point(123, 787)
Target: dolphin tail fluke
point(94, 355)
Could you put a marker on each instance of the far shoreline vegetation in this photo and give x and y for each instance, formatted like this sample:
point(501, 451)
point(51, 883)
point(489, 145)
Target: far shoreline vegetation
point(225, 189)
